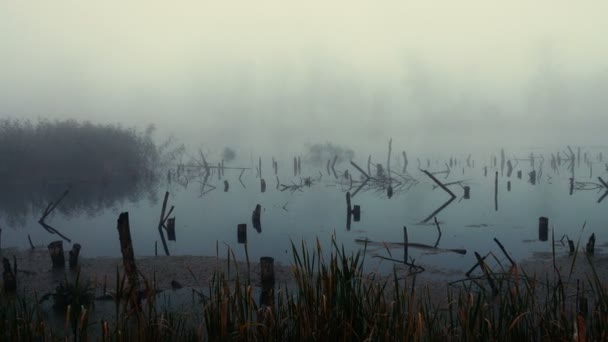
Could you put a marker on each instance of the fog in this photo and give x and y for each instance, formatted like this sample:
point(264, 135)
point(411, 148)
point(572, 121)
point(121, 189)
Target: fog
point(285, 73)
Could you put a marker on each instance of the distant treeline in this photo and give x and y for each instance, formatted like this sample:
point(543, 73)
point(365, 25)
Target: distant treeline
point(73, 151)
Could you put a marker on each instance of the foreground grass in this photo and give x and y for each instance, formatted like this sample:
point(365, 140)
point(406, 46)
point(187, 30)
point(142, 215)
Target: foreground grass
point(333, 299)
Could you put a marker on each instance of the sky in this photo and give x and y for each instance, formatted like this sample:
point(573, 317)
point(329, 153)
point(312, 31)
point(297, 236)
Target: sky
point(287, 73)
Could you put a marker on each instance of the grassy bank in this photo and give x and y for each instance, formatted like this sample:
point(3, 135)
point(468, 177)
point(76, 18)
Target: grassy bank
point(332, 298)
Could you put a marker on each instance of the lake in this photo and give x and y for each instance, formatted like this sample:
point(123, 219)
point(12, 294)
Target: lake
point(292, 210)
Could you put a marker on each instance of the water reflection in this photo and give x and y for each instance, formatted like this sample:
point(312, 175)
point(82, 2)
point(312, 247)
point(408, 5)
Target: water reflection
point(18, 201)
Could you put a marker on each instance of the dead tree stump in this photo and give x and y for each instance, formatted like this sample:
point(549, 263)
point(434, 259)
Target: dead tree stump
point(128, 258)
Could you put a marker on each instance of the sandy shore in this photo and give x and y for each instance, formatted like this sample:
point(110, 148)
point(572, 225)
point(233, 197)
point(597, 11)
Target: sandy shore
point(36, 276)
point(35, 273)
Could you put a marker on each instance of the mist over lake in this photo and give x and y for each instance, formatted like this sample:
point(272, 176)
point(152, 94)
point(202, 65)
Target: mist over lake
point(271, 81)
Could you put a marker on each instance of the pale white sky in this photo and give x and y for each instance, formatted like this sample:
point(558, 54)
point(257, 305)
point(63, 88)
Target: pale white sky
point(312, 70)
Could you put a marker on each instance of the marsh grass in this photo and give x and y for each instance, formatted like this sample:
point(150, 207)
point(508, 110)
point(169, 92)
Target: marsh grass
point(332, 298)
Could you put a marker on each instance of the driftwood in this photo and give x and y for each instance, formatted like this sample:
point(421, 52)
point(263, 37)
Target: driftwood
point(49, 209)
point(412, 245)
point(161, 222)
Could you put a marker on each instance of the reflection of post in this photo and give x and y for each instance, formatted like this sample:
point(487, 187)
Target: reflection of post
point(57, 256)
point(543, 229)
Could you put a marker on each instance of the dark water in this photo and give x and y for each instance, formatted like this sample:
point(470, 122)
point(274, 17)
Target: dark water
point(205, 221)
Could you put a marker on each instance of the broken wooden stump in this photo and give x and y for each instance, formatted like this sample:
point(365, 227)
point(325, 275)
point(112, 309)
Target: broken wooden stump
point(256, 218)
point(267, 279)
point(591, 245)
point(56, 252)
point(74, 256)
point(543, 228)
point(241, 233)
point(405, 242)
point(171, 229)
point(9, 277)
point(267, 271)
point(128, 258)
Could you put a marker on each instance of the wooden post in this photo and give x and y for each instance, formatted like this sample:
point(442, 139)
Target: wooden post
point(405, 242)
point(262, 185)
point(485, 171)
point(349, 211)
point(299, 166)
point(226, 186)
point(128, 257)
point(467, 192)
point(295, 166)
point(591, 245)
point(571, 246)
point(267, 277)
point(57, 256)
point(8, 277)
point(404, 162)
point(241, 233)
point(256, 218)
point(496, 192)
point(356, 213)
point(543, 228)
point(508, 185)
point(571, 186)
point(519, 174)
point(74, 256)
point(267, 271)
point(260, 166)
point(171, 229)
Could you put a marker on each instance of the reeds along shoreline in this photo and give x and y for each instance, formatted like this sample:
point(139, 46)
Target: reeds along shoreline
point(333, 299)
